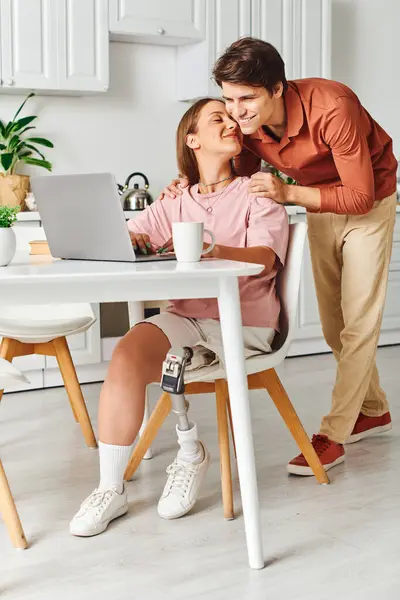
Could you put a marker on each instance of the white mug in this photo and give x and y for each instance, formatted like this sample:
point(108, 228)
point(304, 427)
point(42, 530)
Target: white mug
point(188, 241)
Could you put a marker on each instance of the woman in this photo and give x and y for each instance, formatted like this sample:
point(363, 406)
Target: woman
point(246, 229)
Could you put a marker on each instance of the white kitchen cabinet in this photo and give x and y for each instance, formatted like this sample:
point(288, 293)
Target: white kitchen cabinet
point(28, 44)
point(171, 22)
point(83, 45)
point(299, 29)
point(54, 45)
point(226, 21)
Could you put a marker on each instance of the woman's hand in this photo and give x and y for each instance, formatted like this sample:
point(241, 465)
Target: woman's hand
point(167, 247)
point(141, 242)
point(172, 190)
point(266, 185)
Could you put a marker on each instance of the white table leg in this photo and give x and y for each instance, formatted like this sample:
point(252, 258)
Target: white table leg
point(136, 314)
point(232, 337)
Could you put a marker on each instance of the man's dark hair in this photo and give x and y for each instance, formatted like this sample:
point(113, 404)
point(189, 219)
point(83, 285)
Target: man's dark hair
point(250, 61)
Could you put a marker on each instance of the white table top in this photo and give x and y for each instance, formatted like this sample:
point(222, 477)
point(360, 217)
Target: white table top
point(42, 280)
point(24, 268)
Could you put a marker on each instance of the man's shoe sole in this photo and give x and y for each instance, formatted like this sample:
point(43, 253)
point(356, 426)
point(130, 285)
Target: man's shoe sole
point(357, 437)
point(307, 471)
point(102, 526)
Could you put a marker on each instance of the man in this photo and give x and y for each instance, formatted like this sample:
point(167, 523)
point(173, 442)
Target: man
point(317, 132)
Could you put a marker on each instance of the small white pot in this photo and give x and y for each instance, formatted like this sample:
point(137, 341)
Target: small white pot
point(8, 245)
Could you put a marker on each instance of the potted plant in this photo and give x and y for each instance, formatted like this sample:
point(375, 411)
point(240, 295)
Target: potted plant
point(8, 243)
point(14, 150)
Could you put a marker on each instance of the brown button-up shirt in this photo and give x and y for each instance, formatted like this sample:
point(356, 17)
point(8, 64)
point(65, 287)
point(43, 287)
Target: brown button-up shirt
point(330, 142)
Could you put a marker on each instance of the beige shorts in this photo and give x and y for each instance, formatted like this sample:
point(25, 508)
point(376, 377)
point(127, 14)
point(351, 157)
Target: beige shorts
point(204, 335)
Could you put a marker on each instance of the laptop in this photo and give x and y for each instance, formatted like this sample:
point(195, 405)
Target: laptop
point(83, 218)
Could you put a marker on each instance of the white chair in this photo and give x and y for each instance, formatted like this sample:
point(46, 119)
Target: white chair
point(42, 330)
point(9, 375)
point(261, 375)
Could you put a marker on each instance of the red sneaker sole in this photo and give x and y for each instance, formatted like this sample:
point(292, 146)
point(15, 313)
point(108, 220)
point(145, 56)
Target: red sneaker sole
point(307, 471)
point(357, 437)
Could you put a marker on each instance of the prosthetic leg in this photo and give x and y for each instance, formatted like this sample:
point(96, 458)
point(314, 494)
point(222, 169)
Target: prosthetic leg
point(172, 381)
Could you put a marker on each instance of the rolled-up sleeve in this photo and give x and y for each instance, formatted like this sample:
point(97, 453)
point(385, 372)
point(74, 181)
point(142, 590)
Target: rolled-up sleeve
point(268, 226)
point(345, 135)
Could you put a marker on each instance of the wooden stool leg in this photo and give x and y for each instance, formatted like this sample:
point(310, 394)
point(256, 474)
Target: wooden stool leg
point(222, 395)
point(158, 416)
point(7, 351)
point(10, 514)
point(274, 387)
point(73, 389)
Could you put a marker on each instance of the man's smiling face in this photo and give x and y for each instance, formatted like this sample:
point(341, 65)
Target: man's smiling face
point(251, 107)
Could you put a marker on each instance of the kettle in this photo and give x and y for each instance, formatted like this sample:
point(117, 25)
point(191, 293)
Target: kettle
point(135, 198)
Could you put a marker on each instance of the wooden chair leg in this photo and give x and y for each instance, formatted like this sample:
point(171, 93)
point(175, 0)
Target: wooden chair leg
point(7, 351)
point(10, 514)
point(274, 387)
point(228, 404)
point(222, 396)
point(73, 389)
point(158, 416)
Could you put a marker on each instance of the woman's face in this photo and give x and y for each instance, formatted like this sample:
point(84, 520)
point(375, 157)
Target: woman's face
point(217, 132)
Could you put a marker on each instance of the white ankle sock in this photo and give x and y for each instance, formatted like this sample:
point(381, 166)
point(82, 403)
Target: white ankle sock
point(113, 462)
point(191, 450)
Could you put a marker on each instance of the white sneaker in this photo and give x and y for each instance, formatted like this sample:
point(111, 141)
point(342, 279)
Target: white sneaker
point(96, 512)
point(182, 487)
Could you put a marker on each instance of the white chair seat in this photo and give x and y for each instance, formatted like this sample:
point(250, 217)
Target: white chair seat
point(45, 322)
point(255, 364)
point(9, 375)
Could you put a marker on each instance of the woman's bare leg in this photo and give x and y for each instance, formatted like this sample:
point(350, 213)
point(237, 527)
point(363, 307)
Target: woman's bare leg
point(136, 362)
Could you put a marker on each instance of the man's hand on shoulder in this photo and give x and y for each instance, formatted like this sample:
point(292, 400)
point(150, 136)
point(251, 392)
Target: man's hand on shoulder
point(266, 185)
point(174, 189)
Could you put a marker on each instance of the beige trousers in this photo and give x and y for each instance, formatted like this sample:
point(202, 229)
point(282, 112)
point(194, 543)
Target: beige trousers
point(350, 259)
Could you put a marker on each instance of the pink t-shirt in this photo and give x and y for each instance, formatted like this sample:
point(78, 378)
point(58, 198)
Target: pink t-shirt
point(237, 219)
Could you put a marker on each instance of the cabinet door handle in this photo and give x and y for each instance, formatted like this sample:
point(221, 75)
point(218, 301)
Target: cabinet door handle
point(9, 82)
point(160, 31)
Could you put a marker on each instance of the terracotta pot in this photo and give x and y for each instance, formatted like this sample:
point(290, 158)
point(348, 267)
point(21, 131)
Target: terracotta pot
point(8, 245)
point(13, 190)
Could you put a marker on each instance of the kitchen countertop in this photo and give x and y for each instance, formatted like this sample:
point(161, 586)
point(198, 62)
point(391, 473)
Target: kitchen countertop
point(34, 215)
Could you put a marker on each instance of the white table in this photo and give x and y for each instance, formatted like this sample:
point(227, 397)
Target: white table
point(42, 280)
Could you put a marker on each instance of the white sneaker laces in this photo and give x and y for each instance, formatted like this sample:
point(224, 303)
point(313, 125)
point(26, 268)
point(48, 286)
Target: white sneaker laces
point(180, 477)
point(98, 499)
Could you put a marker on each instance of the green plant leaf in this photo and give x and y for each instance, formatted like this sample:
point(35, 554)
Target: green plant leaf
point(13, 143)
point(26, 129)
point(2, 128)
point(6, 160)
point(18, 125)
point(42, 141)
point(24, 153)
point(35, 149)
point(2, 147)
point(38, 163)
point(22, 105)
point(8, 215)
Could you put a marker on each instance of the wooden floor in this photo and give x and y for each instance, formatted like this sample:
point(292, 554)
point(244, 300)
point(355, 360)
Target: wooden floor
point(337, 542)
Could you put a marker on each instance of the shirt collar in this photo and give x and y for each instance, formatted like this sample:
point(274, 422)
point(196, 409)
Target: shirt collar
point(295, 117)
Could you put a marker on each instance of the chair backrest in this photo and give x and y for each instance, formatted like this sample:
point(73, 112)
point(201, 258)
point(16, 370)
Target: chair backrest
point(288, 285)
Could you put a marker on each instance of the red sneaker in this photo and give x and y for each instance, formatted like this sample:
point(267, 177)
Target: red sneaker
point(330, 454)
point(366, 426)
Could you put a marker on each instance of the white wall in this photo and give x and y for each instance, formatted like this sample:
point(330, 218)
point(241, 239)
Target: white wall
point(366, 56)
point(130, 128)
